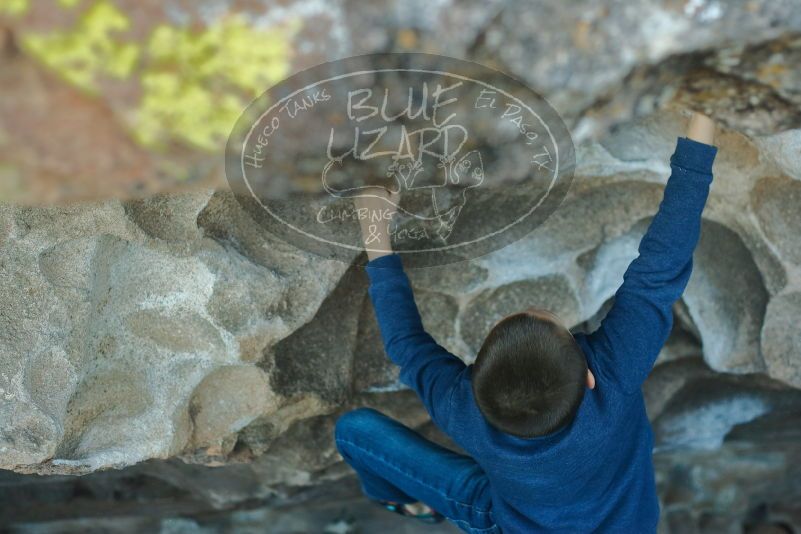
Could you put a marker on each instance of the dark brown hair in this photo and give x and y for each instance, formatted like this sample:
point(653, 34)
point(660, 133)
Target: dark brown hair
point(529, 376)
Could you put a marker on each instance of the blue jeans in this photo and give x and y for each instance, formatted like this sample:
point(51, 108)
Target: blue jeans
point(395, 463)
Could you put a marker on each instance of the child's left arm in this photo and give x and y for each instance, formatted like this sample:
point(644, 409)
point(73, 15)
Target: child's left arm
point(630, 337)
point(425, 366)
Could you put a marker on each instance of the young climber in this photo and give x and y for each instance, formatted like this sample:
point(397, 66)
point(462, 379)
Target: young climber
point(554, 423)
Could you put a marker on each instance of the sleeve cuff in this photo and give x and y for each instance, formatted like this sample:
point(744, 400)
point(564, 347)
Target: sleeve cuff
point(384, 267)
point(694, 155)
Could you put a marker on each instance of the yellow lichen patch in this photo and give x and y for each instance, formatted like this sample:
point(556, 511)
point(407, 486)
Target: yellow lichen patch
point(89, 49)
point(13, 7)
point(196, 83)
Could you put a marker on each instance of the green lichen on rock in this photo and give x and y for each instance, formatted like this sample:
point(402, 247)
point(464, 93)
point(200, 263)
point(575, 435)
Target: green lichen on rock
point(196, 84)
point(13, 7)
point(90, 49)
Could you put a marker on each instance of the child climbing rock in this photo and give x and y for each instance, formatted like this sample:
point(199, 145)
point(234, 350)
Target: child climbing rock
point(554, 423)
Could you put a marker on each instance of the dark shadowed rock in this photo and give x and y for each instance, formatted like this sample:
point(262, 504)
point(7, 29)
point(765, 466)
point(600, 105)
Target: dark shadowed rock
point(318, 357)
point(727, 300)
point(781, 338)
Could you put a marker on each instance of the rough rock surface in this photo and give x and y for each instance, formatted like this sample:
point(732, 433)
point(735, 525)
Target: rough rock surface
point(166, 334)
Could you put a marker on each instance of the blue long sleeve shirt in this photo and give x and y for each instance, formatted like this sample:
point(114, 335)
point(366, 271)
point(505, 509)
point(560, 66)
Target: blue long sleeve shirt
point(596, 474)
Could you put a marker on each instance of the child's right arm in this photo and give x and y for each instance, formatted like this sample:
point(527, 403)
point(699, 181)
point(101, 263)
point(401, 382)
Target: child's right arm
point(630, 337)
point(425, 366)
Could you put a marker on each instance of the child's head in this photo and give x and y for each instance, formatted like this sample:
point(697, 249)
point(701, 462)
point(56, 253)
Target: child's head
point(530, 374)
